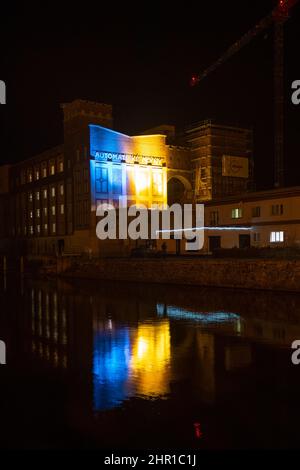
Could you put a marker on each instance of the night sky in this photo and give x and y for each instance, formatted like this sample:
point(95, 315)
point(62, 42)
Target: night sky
point(140, 59)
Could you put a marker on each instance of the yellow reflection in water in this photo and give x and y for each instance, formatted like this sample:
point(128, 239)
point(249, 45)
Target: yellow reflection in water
point(150, 360)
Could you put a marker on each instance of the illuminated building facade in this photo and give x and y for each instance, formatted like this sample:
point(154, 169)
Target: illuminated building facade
point(48, 203)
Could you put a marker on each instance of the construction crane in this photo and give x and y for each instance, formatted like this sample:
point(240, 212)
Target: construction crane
point(277, 17)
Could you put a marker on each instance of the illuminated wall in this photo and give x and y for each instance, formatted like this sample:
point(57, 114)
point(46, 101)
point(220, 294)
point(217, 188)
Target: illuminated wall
point(134, 167)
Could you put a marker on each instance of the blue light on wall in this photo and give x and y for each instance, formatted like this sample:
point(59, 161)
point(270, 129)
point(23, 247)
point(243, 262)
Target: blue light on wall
point(103, 139)
point(111, 368)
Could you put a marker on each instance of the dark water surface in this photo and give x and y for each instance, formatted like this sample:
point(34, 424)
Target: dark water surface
point(114, 366)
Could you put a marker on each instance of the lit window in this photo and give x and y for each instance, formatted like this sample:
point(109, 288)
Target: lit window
point(45, 192)
point(62, 209)
point(30, 177)
point(277, 237)
point(31, 214)
point(53, 210)
point(44, 172)
point(30, 197)
point(46, 227)
point(53, 191)
point(38, 213)
point(53, 228)
point(52, 170)
point(38, 227)
point(31, 230)
point(237, 213)
point(61, 166)
point(45, 211)
point(61, 189)
point(37, 196)
point(37, 174)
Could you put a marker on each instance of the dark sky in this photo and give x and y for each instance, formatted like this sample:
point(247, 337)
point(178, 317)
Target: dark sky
point(140, 59)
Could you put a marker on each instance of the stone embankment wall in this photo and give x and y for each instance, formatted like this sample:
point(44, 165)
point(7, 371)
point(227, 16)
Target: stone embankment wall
point(280, 275)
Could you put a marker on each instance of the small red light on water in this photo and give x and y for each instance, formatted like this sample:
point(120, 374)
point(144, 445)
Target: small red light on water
point(198, 431)
point(194, 80)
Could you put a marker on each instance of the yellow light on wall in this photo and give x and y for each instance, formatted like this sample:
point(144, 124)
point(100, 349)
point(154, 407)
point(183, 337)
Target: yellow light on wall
point(142, 183)
point(150, 360)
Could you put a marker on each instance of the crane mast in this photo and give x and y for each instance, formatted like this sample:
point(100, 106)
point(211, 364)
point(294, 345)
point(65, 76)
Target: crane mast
point(277, 17)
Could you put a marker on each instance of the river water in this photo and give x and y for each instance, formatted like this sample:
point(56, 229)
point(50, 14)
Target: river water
point(125, 366)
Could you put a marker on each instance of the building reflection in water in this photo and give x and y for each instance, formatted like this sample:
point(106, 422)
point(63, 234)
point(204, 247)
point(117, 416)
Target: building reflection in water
point(129, 353)
point(130, 361)
point(48, 328)
point(111, 366)
point(203, 317)
point(150, 358)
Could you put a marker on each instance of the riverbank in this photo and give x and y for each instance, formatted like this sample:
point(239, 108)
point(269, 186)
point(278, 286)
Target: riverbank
point(276, 275)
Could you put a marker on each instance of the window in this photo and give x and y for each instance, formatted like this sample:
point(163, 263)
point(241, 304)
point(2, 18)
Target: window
point(38, 213)
point(37, 174)
point(31, 214)
point(62, 209)
point(44, 172)
point(61, 167)
point(256, 237)
point(52, 170)
point(61, 189)
point(53, 191)
point(45, 193)
point(277, 209)
point(45, 211)
point(277, 237)
point(46, 227)
point(53, 210)
point(53, 228)
point(214, 218)
point(255, 211)
point(101, 180)
point(30, 197)
point(30, 177)
point(236, 213)
point(38, 227)
point(37, 195)
point(31, 230)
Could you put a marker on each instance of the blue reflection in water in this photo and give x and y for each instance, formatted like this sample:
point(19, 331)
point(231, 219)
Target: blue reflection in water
point(110, 367)
point(183, 314)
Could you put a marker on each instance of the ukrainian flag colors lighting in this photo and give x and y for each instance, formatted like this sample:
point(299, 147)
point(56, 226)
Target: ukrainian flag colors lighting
point(150, 358)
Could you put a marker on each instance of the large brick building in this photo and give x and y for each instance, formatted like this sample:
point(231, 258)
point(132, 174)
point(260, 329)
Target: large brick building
point(48, 203)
